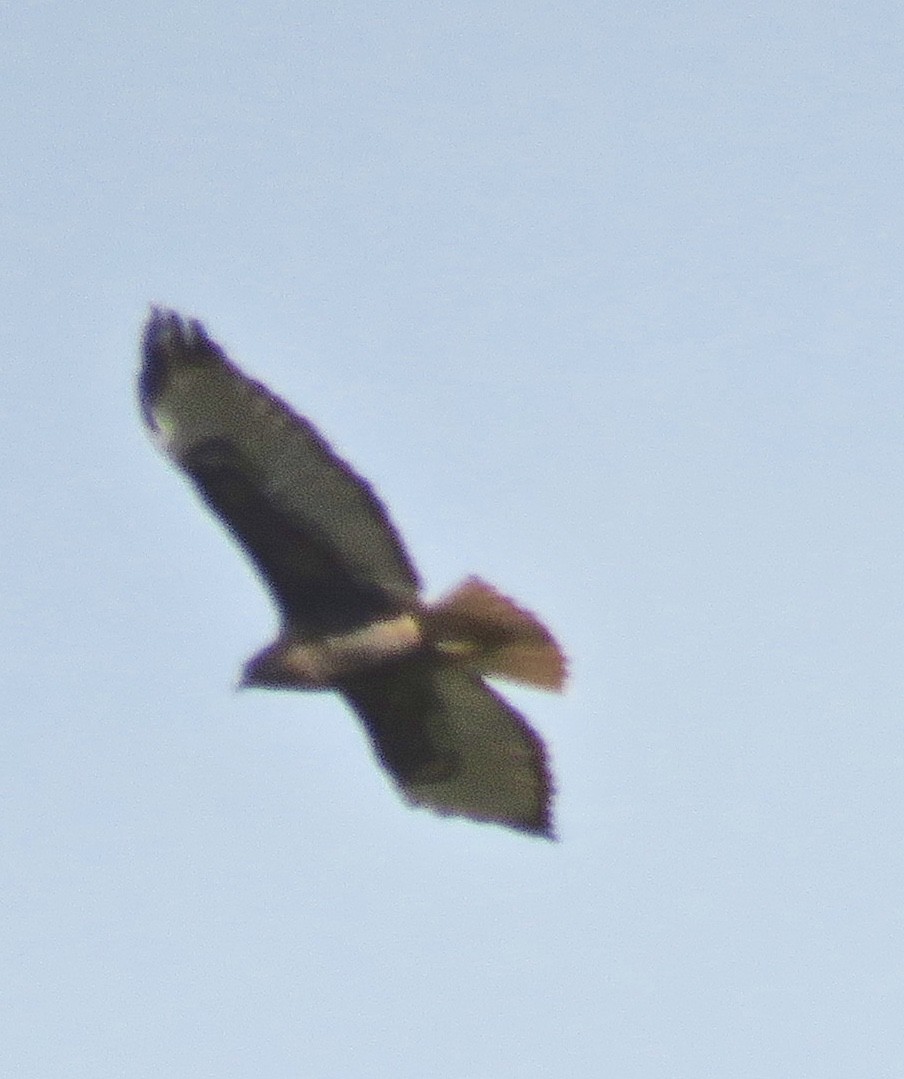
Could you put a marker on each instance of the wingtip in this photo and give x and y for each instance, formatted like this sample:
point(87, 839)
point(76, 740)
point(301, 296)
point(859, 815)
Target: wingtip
point(153, 366)
point(542, 830)
point(158, 322)
point(539, 827)
point(166, 329)
point(169, 340)
point(164, 333)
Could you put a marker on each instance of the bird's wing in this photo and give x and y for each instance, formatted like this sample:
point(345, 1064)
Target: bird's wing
point(451, 743)
point(313, 527)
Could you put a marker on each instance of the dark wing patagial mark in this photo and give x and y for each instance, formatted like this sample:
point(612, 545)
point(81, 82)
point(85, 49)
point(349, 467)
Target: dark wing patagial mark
point(453, 744)
point(318, 534)
point(314, 590)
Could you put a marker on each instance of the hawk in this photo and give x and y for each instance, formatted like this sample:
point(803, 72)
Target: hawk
point(352, 616)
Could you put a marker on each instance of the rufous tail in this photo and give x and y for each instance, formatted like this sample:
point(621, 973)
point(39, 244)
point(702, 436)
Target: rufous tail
point(491, 633)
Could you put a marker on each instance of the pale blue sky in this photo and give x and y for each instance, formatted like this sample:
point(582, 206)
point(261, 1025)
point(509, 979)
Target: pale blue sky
point(606, 301)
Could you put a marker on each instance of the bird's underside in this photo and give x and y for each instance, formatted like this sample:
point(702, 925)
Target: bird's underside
point(348, 594)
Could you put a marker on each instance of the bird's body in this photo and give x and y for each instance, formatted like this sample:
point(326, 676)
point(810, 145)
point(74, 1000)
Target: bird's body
point(348, 594)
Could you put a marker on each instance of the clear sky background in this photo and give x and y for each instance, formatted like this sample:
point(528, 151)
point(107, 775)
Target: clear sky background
point(606, 301)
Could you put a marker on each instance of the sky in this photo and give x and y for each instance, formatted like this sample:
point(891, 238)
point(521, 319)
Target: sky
point(605, 300)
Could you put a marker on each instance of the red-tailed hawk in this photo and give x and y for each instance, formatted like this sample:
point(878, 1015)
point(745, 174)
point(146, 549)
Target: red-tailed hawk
point(352, 617)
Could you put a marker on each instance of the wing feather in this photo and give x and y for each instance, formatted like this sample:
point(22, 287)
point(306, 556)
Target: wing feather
point(453, 744)
point(299, 510)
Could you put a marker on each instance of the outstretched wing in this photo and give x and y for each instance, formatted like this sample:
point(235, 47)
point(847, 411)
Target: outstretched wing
point(451, 743)
point(318, 534)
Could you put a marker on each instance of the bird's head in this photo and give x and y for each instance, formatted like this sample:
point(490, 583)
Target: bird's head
point(284, 665)
point(267, 670)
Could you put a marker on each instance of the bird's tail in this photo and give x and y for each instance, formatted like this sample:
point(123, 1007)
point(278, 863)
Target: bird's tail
point(492, 634)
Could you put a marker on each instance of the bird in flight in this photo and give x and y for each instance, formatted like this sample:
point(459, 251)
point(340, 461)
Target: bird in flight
point(348, 595)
